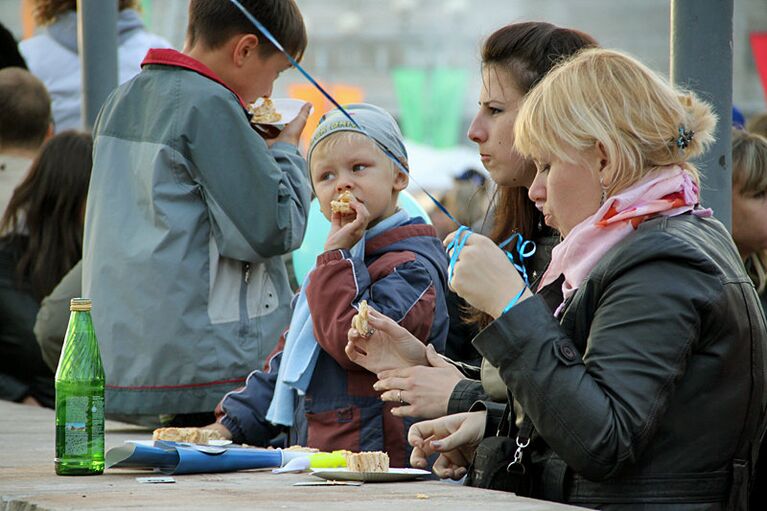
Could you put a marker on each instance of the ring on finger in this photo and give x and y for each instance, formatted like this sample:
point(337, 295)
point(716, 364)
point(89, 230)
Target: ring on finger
point(399, 396)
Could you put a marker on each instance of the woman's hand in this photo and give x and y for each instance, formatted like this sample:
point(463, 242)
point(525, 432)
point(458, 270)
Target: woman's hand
point(455, 437)
point(347, 229)
point(389, 346)
point(484, 276)
point(422, 391)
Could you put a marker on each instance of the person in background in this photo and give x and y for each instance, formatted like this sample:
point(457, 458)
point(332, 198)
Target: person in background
point(468, 200)
point(52, 55)
point(53, 317)
point(749, 205)
point(25, 123)
point(42, 234)
point(190, 213)
point(9, 50)
point(758, 124)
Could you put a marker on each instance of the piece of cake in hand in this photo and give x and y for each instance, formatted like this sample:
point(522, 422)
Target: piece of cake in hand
point(375, 461)
point(265, 113)
point(360, 320)
point(341, 204)
point(188, 435)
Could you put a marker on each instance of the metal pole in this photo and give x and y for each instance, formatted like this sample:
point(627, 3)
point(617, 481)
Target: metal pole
point(701, 61)
point(97, 40)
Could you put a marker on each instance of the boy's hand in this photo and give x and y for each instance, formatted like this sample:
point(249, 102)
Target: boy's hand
point(292, 131)
point(347, 229)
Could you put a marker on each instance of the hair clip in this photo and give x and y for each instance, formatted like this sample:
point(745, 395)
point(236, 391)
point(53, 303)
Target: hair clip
point(684, 138)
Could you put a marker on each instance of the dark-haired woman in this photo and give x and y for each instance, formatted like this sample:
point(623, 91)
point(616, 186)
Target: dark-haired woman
point(42, 232)
point(514, 59)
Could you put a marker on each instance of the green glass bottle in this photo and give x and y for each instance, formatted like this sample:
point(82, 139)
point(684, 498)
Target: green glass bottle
point(80, 397)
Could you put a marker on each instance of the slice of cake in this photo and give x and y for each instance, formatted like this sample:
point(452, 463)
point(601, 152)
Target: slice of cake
point(341, 204)
point(188, 435)
point(360, 320)
point(367, 462)
point(265, 113)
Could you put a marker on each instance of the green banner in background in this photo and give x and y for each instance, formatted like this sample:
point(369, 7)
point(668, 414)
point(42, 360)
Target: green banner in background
point(448, 87)
point(146, 14)
point(431, 107)
point(410, 87)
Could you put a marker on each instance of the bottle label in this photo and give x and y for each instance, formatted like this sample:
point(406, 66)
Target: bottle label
point(82, 412)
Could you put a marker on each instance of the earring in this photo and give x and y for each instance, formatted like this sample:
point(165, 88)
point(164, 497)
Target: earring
point(603, 197)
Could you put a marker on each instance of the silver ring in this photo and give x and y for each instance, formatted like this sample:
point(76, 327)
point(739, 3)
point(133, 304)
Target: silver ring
point(399, 396)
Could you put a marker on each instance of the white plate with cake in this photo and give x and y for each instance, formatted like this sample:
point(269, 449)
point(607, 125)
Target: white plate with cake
point(390, 476)
point(369, 467)
point(275, 111)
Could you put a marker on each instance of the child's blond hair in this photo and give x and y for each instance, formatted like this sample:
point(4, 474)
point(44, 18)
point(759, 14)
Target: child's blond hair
point(604, 96)
point(341, 141)
point(749, 175)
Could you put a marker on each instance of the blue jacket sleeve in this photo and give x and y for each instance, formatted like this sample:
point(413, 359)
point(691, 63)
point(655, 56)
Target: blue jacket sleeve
point(244, 409)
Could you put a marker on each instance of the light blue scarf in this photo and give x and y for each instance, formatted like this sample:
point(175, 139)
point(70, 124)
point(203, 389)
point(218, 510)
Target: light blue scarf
point(299, 357)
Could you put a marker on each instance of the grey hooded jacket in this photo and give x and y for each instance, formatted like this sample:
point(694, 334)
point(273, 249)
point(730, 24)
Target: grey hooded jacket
point(188, 215)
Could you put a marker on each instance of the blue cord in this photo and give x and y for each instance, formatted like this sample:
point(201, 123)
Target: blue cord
point(514, 300)
point(261, 28)
point(463, 233)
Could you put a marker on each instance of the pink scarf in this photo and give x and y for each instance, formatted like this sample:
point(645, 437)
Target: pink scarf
point(668, 191)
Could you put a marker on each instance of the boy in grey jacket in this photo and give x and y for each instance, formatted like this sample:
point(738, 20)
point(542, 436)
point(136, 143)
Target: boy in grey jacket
point(189, 212)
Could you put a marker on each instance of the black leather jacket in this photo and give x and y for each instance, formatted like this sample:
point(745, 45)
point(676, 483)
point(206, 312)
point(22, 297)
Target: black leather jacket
point(640, 396)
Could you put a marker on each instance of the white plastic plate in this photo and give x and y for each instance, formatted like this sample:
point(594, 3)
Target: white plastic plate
point(287, 107)
point(393, 475)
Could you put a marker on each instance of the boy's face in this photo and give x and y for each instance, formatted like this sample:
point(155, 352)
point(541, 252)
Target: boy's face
point(260, 73)
point(248, 71)
point(358, 165)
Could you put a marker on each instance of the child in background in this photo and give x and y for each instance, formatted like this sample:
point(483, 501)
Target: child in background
point(375, 253)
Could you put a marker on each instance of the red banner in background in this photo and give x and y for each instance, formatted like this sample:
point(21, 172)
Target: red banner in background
point(759, 48)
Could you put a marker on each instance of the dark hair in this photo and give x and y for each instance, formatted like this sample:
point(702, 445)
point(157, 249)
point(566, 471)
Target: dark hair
point(48, 205)
point(527, 51)
point(46, 11)
point(213, 22)
point(9, 50)
point(25, 109)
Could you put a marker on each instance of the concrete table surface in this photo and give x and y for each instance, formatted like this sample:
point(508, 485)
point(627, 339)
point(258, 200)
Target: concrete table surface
point(28, 482)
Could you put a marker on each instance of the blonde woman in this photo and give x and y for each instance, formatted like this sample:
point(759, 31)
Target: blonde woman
point(645, 389)
point(749, 205)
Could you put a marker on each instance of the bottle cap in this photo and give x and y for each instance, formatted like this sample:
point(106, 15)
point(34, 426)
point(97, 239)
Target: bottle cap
point(80, 304)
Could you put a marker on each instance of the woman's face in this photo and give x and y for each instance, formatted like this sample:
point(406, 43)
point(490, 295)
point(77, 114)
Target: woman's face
point(749, 221)
point(493, 128)
point(567, 193)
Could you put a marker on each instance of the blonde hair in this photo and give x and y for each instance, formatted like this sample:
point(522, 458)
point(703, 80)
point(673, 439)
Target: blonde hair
point(604, 96)
point(749, 175)
point(758, 124)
